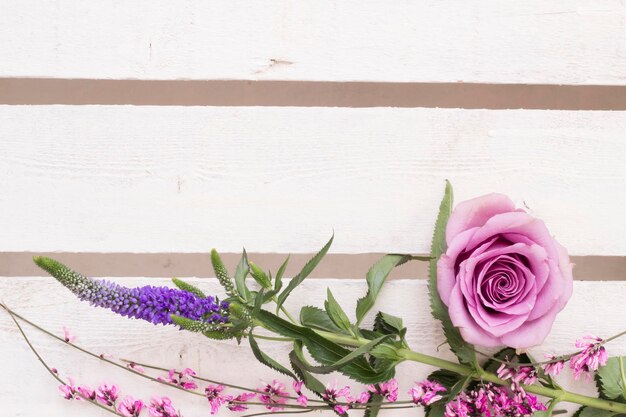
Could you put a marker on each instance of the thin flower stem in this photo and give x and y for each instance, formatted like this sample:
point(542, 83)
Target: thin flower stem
point(50, 371)
point(559, 358)
point(267, 413)
point(12, 313)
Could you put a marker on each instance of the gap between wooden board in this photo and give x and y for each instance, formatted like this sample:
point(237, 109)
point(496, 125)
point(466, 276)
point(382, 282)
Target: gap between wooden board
point(42, 91)
point(198, 265)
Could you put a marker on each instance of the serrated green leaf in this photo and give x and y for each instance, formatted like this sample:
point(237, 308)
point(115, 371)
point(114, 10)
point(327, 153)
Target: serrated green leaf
point(317, 318)
point(388, 324)
point(335, 312)
point(324, 351)
point(266, 360)
point(464, 351)
point(259, 276)
point(306, 270)
point(386, 351)
point(241, 272)
point(611, 379)
point(594, 412)
point(258, 303)
point(221, 273)
point(278, 281)
point(188, 287)
point(298, 363)
point(458, 388)
point(448, 379)
point(355, 354)
point(375, 278)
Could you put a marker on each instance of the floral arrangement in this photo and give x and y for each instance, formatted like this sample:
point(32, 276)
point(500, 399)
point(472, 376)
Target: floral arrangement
point(497, 279)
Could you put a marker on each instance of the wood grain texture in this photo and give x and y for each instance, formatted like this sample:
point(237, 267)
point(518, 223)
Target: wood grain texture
point(172, 179)
point(557, 42)
point(595, 307)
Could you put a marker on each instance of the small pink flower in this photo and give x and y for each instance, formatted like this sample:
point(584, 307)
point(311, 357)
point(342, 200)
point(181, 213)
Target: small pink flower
point(302, 399)
point(388, 390)
point(553, 368)
point(130, 407)
point(68, 336)
point(460, 407)
point(426, 392)
point(274, 396)
point(214, 395)
point(590, 359)
point(183, 379)
point(136, 367)
point(54, 371)
point(86, 393)
point(235, 403)
point(162, 407)
point(363, 398)
point(68, 390)
point(106, 356)
point(526, 375)
point(107, 394)
point(341, 409)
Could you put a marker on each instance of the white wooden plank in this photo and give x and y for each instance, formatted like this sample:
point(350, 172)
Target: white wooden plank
point(595, 307)
point(493, 41)
point(172, 179)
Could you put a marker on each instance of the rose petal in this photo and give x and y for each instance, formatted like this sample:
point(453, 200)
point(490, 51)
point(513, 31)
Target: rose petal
point(446, 274)
point(470, 330)
point(476, 212)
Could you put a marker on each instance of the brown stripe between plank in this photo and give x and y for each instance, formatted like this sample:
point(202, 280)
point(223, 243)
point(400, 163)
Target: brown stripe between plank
point(199, 265)
point(310, 93)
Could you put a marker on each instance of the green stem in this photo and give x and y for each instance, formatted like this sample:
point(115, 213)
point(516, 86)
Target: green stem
point(535, 389)
point(410, 355)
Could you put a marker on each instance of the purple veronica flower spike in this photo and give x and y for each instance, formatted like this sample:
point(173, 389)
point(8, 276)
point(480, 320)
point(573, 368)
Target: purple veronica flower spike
point(153, 304)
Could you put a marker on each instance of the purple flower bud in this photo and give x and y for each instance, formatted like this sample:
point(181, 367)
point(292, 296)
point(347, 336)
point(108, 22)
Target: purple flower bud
point(150, 303)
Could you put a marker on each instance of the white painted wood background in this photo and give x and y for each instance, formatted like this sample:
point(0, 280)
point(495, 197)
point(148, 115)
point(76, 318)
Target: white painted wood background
point(118, 178)
point(186, 179)
point(493, 41)
point(51, 305)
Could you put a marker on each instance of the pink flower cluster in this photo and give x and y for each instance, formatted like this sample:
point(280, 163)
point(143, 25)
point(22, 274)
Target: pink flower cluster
point(426, 392)
point(108, 394)
point(593, 356)
point(183, 379)
point(214, 394)
point(494, 401)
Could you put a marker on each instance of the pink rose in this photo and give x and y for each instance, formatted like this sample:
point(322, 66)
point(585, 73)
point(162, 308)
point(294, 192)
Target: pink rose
point(504, 278)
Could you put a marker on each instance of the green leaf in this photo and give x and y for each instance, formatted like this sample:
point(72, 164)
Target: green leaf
point(258, 302)
point(376, 277)
point(306, 270)
point(278, 281)
point(388, 324)
point(259, 276)
point(188, 287)
point(449, 380)
point(386, 351)
point(325, 351)
point(356, 353)
point(241, 272)
point(317, 318)
point(221, 273)
point(335, 312)
point(266, 360)
point(594, 412)
point(464, 351)
point(458, 388)
point(611, 379)
point(298, 363)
